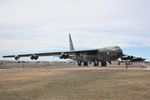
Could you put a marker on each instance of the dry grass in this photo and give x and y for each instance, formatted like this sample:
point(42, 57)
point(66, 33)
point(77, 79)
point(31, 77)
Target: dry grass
point(48, 84)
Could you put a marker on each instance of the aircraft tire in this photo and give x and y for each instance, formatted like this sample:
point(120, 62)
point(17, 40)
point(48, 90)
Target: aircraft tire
point(85, 63)
point(96, 63)
point(103, 64)
point(79, 63)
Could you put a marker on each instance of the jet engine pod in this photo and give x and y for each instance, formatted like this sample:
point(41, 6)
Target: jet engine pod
point(127, 57)
point(138, 59)
point(34, 57)
point(64, 56)
point(16, 57)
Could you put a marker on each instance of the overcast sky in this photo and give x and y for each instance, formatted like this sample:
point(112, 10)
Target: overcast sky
point(43, 25)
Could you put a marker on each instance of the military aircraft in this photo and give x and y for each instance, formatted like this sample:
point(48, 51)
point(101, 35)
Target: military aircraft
point(84, 57)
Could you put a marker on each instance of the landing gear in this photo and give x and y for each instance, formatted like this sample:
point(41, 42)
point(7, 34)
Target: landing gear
point(79, 63)
point(96, 63)
point(85, 63)
point(109, 62)
point(103, 63)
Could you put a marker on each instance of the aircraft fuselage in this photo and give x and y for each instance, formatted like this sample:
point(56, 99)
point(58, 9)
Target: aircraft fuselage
point(106, 54)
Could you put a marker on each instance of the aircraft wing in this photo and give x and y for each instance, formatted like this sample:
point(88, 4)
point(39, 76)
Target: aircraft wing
point(57, 54)
point(132, 58)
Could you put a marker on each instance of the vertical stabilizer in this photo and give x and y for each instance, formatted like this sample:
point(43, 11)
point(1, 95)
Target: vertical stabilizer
point(71, 43)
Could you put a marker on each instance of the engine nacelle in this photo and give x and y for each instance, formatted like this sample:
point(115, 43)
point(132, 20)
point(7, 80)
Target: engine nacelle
point(34, 57)
point(17, 57)
point(131, 58)
point(127, 57)
point(138, 59)
point(64, 56)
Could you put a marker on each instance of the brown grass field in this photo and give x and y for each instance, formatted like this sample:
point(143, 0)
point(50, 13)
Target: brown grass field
point(58, 84)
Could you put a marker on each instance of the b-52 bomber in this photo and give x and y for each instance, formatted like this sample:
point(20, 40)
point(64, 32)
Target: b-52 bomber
point(84, 57)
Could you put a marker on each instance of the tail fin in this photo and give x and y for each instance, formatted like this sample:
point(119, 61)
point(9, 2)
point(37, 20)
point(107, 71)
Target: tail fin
point(71, 43)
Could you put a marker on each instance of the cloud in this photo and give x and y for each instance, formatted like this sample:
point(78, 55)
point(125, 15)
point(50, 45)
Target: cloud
point(41, 25)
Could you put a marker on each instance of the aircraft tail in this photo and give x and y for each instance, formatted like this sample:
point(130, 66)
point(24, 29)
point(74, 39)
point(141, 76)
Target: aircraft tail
point(71, 43)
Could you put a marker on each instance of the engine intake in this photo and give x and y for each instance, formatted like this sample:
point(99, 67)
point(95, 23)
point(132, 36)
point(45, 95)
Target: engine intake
point(64, 56)
point(34, 57)
point(127, 57)
point(138, 59)
point(131, 58)
point(17, 57)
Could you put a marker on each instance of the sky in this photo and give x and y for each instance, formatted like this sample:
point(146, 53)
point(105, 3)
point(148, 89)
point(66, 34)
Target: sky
point(31, 26)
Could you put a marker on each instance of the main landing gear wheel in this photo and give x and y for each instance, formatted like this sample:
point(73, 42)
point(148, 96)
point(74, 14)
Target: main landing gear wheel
point(85, 63)
point(96, 63)
point(79, 63)
point(103, 64)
